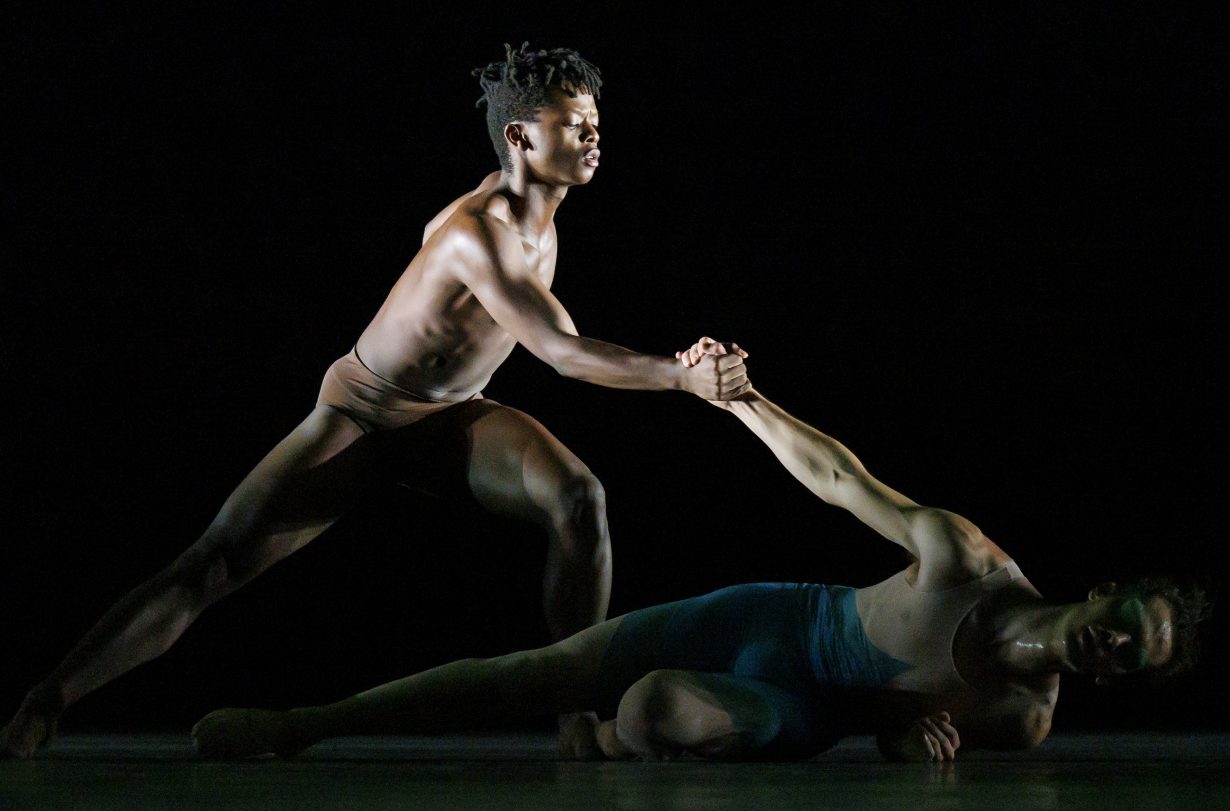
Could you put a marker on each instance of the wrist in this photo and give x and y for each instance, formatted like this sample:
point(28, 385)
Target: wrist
point(674, 375)
point(890, 747)
point(747, 404)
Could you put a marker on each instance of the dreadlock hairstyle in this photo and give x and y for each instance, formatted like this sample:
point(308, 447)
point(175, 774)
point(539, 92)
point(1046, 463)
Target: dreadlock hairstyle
point(515, 89)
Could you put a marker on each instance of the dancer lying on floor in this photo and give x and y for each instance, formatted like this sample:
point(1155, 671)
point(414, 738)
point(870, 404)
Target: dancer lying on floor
point(959, 640)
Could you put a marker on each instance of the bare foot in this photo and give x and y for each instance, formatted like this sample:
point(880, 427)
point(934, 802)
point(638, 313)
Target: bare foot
point(33, 726)
point(577, 740)
point(232, 734)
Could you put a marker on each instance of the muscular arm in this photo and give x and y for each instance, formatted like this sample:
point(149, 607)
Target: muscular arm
point(831, 471)
point(1016, 717)
point(495, 269)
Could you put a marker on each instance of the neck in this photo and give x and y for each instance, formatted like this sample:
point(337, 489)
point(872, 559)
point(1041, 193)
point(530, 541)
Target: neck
point(1032, 639)
point(533, 201)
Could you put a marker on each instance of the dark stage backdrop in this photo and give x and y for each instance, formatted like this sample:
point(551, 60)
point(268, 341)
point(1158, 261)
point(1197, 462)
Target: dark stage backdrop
point(981, 250)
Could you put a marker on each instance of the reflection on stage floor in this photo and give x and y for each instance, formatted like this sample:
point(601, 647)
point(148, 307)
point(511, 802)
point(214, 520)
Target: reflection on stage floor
point(1146, 771)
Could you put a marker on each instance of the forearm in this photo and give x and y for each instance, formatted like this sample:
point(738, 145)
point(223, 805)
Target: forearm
point(814, 458)
point(606, 364)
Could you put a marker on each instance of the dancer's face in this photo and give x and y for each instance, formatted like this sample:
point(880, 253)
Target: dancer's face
point(1112, 635)
point(561, 146)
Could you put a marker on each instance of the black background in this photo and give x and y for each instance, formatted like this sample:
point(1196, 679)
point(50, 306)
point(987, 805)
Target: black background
point(983, 249)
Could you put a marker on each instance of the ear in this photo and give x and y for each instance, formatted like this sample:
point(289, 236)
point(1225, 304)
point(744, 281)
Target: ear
point(1103, 590)
point(516, 136)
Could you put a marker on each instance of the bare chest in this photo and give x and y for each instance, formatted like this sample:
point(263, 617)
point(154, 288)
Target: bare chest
point(540, 259)
point(463, 313)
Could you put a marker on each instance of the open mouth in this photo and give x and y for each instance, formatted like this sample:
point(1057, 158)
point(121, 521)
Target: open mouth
point(591, 157)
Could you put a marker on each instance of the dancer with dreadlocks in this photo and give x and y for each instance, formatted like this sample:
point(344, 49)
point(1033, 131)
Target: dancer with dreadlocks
point(405, 404)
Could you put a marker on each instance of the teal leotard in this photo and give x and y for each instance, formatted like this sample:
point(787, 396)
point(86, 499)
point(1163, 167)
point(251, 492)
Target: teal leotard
point(791, 644)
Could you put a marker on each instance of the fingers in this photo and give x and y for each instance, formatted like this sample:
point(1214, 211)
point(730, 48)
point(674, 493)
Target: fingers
point(939, 740)
point(692, 355)
point(707, 346)
point(950, 732)
point(942, 736)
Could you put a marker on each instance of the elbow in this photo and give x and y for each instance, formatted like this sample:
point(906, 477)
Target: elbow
point(564, 362)
point(1036, 731)
point(1029, 731)
point(833, 483)
point(564, 354)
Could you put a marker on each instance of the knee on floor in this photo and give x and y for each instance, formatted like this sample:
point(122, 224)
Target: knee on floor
point(696, 712)
point(653, 704)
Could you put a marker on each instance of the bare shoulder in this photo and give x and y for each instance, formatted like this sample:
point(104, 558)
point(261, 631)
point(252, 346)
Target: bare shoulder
point(446, 214)
point(479, 239)
point(1023, 713)
point(952, 548)
point(467, 221)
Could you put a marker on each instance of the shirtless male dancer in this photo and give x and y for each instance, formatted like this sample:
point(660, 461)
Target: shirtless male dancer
point(958, 640)
point(479, 285)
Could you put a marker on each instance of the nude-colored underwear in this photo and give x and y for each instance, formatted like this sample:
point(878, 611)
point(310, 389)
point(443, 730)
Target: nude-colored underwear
point(370, 400)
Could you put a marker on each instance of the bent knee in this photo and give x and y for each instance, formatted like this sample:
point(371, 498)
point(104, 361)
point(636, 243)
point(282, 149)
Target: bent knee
point(701, 713)
point(582, 493)
point(578, 511)
point(662, 701)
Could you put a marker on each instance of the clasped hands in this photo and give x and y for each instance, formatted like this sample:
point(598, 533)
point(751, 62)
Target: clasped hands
point(715, 370)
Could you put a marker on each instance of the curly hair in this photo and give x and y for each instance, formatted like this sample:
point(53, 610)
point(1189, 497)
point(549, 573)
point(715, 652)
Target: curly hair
point(516, 88)
point(1189, 604)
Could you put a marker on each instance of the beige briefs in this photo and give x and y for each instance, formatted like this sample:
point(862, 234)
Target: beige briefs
point(370, 400)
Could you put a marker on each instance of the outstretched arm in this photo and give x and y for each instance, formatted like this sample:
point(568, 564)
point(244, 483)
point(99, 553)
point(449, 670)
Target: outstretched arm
point(493, 266)
point(831, 471)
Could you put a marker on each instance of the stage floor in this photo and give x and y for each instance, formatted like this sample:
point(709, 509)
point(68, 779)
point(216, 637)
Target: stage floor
point(1143, 771)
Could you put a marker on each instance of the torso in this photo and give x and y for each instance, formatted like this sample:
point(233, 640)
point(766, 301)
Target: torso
point(949, 660)
point(432, 336)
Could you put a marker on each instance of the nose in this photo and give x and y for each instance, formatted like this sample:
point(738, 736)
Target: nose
point(1114, 639)
point(591, 134)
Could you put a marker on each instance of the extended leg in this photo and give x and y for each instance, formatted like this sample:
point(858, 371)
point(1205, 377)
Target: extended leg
point(291, 496)
point(457, 696)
